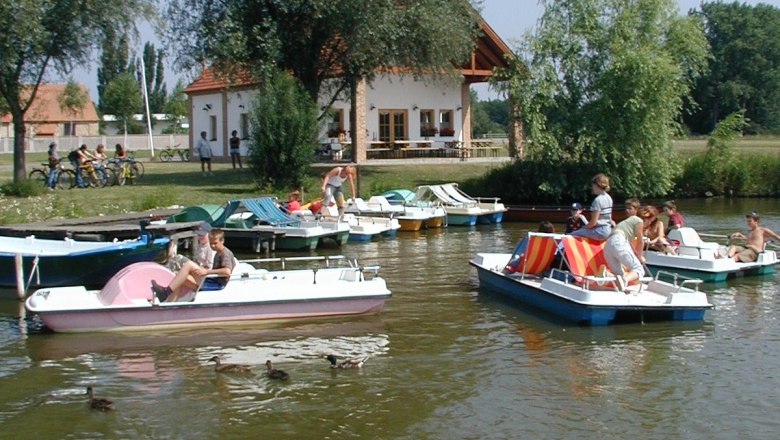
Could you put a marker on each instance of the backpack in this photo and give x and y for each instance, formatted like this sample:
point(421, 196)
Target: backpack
point(72, 155)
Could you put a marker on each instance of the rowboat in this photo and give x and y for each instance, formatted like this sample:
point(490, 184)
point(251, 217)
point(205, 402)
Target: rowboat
point(461, 208)
point(706, 260)
point(126, 302)
point(579, 288)
point(65, 262)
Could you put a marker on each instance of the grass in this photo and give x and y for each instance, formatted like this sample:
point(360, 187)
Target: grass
point(181, 184)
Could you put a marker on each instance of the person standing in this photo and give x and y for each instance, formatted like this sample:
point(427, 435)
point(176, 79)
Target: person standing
point(54, 164)
point(600, 225)
point(332, 186)
point(203, 148)
point(235, 149)
point(624, 246)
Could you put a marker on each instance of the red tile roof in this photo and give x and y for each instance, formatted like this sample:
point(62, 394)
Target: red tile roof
point(46, 108)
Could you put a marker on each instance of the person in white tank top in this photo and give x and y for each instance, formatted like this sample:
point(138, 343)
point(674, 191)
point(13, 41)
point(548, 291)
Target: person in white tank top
point(332, 183)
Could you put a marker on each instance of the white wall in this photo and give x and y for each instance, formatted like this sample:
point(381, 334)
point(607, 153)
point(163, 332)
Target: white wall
point(201, 119)
point(238, 103)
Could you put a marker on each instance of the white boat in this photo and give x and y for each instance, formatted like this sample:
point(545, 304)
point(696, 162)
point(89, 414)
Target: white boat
point(706, 260)
point(361, 228)
point(410, 217)
point(126, 302)
point(582, 291)
point(461, 208)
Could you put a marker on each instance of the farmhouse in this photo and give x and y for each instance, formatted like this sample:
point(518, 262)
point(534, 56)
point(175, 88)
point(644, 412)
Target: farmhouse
point(395, 111)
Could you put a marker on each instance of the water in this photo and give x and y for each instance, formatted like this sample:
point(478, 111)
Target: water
point(446, 362)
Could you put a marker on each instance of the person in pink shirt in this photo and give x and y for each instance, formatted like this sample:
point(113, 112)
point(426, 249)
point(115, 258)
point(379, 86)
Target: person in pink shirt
point(675, 219)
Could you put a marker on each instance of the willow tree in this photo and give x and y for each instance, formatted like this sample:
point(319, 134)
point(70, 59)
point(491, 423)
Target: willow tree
point(41, 37)
point(604, 89)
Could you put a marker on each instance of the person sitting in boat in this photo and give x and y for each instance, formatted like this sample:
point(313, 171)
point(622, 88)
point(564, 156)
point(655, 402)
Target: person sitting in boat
point(203, 254)
point(332, 186)
point(624, 246)
point(754, 241)
point(600, 225)
point(654, 232)
point(577, 220)
point(192, 275)
point(675, 218)
point(293, 203)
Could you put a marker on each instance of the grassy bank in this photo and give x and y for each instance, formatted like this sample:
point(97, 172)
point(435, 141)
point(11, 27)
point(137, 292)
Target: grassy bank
point(177, 183)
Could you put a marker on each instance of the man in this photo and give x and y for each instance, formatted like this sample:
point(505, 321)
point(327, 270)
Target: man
point(754, 241)
point(332, 186)
point(203, 148)
point(191, 274)
point(235, 149)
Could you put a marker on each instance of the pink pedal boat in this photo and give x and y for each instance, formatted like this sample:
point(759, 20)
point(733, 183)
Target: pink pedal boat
point(126, 303)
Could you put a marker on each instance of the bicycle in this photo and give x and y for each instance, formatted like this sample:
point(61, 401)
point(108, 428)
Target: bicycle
point(169, 152)
point(126, 171)
point(64, 178)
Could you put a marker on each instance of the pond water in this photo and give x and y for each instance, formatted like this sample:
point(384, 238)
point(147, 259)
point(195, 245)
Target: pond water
point(446, 361)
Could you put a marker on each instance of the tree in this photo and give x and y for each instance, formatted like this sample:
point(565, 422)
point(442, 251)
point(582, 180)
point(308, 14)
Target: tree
point(43, 35)
point(744, 71)
point(123, 98)
point(114, 60)
point(176, 107)
point(284, 125)
point(604, 90)
point(72, 100)
point(155, 81)
point(319, 40)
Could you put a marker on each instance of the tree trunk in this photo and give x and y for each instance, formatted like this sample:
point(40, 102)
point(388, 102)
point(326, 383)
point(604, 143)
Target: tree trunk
point(20, 172)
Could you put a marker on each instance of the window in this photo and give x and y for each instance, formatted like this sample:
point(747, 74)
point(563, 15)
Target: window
point(336, 123)
point(244, 121)
point(213, 127)
point(427, 123)
point(69, 129)
point(445, 119)
point(392, 125)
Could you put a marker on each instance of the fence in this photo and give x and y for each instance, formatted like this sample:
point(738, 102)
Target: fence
point(133, 142)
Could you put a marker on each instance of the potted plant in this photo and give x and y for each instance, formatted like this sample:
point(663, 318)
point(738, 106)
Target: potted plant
point(447, 131)
point(428, 130)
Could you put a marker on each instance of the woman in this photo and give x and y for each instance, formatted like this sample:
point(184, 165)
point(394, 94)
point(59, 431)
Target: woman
point(600, 224)
point(332, 186)
point(654, 231)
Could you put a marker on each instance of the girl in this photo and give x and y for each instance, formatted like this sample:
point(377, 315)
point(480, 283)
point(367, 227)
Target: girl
point(600, 225)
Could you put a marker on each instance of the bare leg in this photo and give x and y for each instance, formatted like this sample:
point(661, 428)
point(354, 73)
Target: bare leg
point(183, 278)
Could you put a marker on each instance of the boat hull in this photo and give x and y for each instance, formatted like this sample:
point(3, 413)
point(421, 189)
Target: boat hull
point(705, 266)
point(461, 219)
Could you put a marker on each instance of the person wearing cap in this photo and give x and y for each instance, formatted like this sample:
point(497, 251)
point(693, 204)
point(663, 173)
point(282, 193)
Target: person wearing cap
point(576, 220)
point(203, 255)
point(754, 240)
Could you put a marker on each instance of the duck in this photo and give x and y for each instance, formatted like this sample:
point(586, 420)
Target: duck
point(229, 368)
point(349, 363)
point(97, 403)
point(274, 373)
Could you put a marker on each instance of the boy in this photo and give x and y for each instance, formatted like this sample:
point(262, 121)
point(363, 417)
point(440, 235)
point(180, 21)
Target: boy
point(192, 274)
point(577, 220)
point(754, 241)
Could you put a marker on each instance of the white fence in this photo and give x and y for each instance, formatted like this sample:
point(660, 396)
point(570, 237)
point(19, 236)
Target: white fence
point(66, 143)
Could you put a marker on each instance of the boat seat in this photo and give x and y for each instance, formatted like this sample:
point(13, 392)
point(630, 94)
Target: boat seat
point(360, 204)
point(586, 261)
point(691, 244)
point(133, 283)
point(536, 258)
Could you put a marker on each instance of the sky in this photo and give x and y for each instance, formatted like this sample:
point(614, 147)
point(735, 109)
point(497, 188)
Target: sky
point(509, 18)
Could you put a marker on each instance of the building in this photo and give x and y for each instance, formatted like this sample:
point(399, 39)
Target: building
point(394, 108)
point(45, 118)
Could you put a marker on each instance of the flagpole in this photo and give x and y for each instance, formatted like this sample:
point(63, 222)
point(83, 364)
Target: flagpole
point(146, 105)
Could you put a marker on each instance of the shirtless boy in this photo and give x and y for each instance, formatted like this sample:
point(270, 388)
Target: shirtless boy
point(754, 241)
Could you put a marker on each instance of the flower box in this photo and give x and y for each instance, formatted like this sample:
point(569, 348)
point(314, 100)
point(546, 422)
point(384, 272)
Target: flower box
point(428, 131)
point(446, 131)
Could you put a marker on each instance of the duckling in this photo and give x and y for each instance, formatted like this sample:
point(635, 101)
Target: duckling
point(276, 374)
point(349, 363)
point(99, 404)
point(229, 368)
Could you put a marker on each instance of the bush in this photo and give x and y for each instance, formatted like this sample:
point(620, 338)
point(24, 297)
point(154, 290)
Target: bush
point(25, 188)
